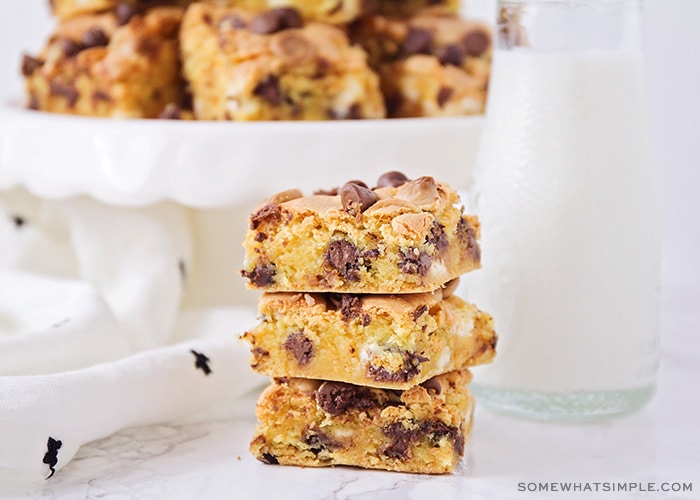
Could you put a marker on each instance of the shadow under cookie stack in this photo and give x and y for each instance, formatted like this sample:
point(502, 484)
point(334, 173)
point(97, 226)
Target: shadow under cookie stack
point(367, 346)
point(247, 60)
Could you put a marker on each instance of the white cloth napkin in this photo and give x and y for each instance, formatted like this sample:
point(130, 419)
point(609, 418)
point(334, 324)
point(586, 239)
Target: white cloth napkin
point(92, 335)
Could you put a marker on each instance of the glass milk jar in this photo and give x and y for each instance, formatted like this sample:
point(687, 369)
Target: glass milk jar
point(566, 192)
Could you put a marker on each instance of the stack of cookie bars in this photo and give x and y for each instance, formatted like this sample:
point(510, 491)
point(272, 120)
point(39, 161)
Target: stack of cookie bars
point(260, 60)
point(368, 348)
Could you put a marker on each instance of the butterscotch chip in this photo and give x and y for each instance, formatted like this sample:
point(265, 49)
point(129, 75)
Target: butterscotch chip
point(413, 238)
point(94, 65)
point(388, 341)
point(273, 65)
point(429, 64)
point(422, 429)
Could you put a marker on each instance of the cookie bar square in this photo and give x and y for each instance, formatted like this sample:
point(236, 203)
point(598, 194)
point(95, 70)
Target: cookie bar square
point(387, 341)
point(70, 8)
point(272, 65)
point(429, 65)
point(101, 65)
point(327, 11)
point(315, 423)
point(404, 236)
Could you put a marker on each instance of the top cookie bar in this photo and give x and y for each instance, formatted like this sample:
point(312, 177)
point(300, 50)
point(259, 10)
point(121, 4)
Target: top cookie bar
point(403, 236)
point(70, 8)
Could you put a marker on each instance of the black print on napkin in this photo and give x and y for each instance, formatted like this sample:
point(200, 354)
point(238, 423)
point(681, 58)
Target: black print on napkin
point(201, 362)
point(18, 221)
point(51, 456)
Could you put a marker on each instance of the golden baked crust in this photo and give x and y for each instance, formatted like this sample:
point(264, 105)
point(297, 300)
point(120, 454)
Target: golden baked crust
point(313, 423)
point(430, 65)
point(93, 65)
point(387, 341)
point(70, 8)
point(403, 238)
point(272, 65)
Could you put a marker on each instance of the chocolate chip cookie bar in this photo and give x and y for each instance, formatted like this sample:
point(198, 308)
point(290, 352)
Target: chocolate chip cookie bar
point(387, 341)
point(273, 65)
point(319, 423)
point(327, 11)
point(107, 65)
point(429, 65)
point(403, 236)
point(70, 8)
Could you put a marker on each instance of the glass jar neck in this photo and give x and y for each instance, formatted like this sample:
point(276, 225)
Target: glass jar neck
point(570, 25)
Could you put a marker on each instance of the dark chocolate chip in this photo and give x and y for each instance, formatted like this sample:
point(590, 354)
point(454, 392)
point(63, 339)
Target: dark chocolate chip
point(69, 47)
point(444, 95)
point(453, 54)
point(94, 37)
point(326, 192)
point(343, 257)
point(262, 275)
point(409, 370)
point(301, 347)
point(393, 179)
point(414, 261)
point(417, 41)
point(435, 430)
point(30, 65)
point(401, 440)
point(419, 311)
point(336, 398)
point(356, 199)
point(350, 307)
point(269, 213)
point(476, 43)
point(437, 237)
point(269, 459)
point(269, 90)
point(66, 90)
point(275, 20)
point(124, 12)
point(433, 384)
point(467, 237)
point(318, 441)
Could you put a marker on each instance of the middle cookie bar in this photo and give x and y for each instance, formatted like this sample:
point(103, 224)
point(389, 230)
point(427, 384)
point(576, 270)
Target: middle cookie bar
point(388, 341)
point(404, 236)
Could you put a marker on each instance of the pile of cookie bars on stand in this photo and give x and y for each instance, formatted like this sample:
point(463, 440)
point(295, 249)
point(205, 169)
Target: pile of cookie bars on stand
point(248, 60)
point(368, 348)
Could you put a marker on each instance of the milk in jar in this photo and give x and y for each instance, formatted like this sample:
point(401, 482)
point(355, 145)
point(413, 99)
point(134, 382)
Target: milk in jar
point(567, 196)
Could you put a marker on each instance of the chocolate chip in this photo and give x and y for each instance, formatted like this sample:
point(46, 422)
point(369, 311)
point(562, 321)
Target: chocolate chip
point(269, 459)
point(414, 261)
point(419, 311)
point(393, 179)
point(444, 95)
point(437, 237)
point(327, 192)
point(262, 275)
point(69, 47)
point(343, 257)
point(301, 347)
point(408, 371)
point(433, 384)
point(359, 183)
point(401, 440)
point(269, 90)
point(350, 307)
point(336, 398)
point(94, 37)
point(269, 213)
point(275, 20)
point(318, 441)
point(467, 237)
point(453, 54)
point(417, 41)
point(476, 43)
point(66, 90)
point(124, 12)
point(356, 199)
point(435, 430)
point(30, 65)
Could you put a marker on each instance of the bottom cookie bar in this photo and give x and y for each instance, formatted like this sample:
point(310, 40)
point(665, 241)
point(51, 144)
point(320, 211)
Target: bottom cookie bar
point(314, 423)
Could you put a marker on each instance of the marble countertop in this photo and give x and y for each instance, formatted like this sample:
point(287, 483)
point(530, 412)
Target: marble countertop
point(506, 457)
